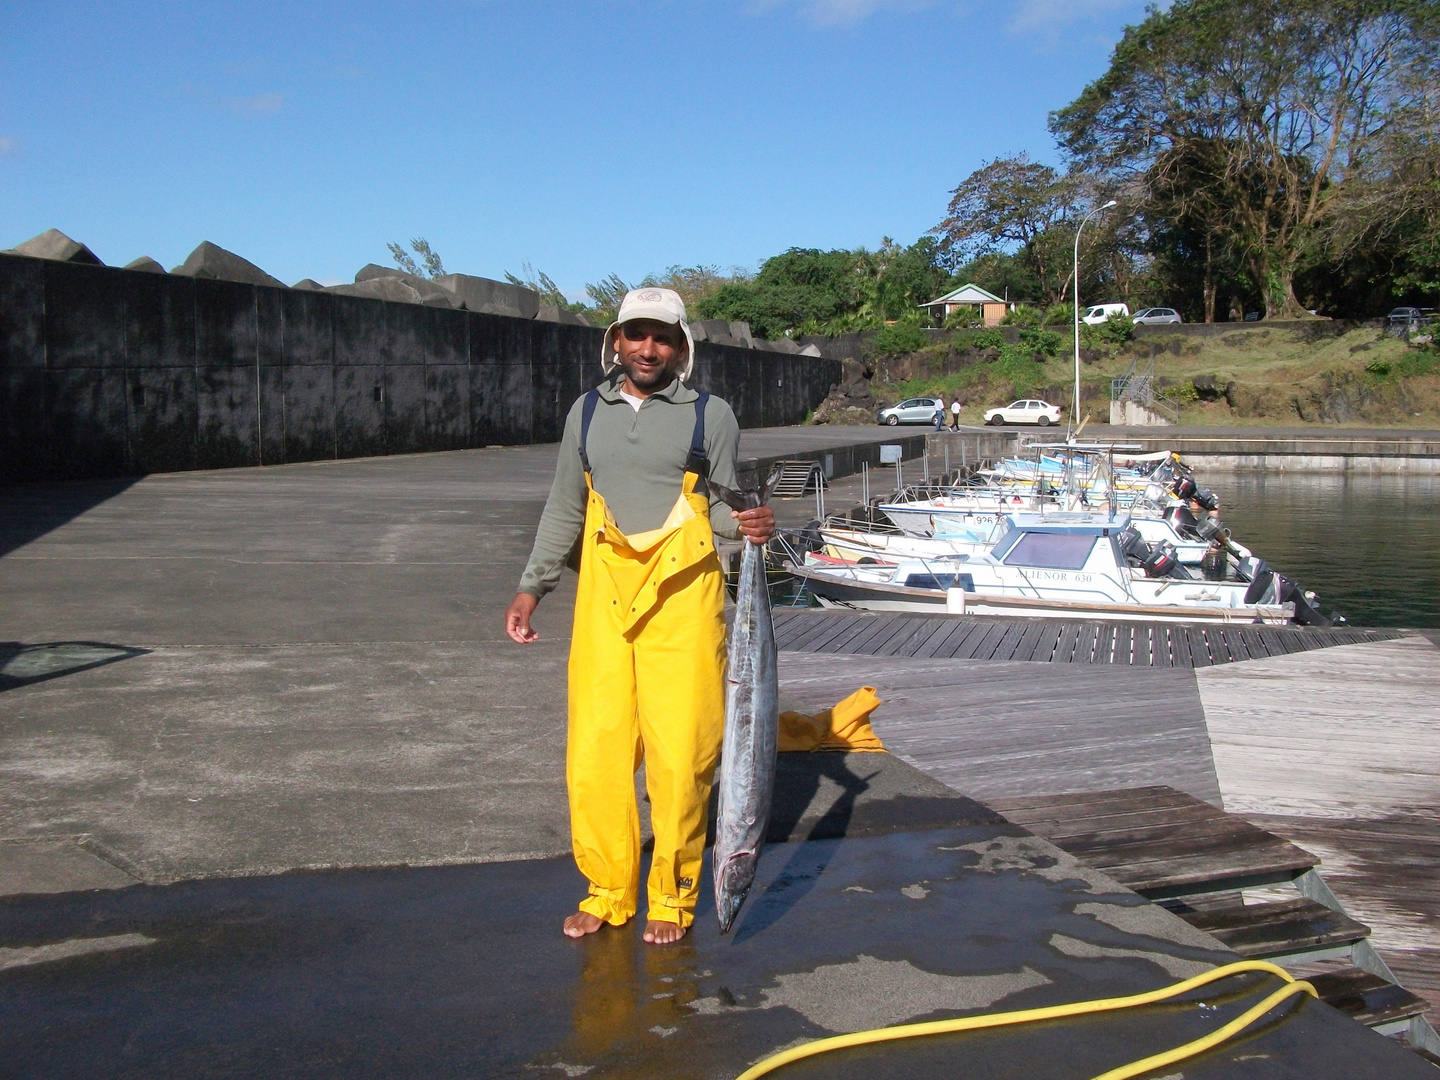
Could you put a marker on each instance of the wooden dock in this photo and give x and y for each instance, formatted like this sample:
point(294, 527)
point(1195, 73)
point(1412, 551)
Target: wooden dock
point(1330, 739)
point(1056, 641)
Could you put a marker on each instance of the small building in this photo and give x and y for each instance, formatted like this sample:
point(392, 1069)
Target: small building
point(992, 308)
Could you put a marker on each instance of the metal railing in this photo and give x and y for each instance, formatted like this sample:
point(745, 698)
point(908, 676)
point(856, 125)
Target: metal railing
point(1138, 385)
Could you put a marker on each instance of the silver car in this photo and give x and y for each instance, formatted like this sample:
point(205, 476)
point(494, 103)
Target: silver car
point(915, 410)
point(1157, 316)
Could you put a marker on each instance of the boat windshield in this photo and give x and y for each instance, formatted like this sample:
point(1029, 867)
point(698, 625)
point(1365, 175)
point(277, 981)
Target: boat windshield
point(1052, 551)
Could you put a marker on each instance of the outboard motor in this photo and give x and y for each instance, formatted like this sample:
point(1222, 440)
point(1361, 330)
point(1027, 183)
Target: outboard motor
point(1261, 579)
point(1214, 564)
point(1132, 545)
point(1306, 613)
point(1184, 487)
point(1184, 521)
point(1162, 561)
point(1207, 499)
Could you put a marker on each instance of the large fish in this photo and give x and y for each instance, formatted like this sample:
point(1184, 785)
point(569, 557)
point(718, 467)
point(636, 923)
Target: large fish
point(752, 723)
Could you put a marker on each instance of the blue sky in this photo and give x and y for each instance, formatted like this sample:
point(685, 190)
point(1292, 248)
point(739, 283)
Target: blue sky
point(584, 138)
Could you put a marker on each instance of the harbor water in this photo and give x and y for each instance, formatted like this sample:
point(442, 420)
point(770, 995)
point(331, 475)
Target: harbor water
point(1368, 544)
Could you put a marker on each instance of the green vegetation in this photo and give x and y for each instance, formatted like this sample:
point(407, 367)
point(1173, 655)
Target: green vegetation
point(433, 267)
point(1253, 375)
point(900, 337)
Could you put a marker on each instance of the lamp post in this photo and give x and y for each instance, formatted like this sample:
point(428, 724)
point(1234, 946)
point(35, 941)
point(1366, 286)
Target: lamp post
point(1075, 406)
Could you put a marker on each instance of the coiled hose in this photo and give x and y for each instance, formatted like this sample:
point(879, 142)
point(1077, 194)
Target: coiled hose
point(1292, 987)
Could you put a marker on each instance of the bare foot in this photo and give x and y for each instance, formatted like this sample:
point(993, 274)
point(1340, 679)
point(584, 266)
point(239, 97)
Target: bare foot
point(581, 923)
point(662, 933)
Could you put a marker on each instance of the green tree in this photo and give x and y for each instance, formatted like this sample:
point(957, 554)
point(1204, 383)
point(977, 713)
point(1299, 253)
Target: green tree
point(1276, 103)
point(433, 267)
point(1015, 204)
point(541, 282)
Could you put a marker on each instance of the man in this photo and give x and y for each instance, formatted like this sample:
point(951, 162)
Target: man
point(647, 654)
point(955, 415)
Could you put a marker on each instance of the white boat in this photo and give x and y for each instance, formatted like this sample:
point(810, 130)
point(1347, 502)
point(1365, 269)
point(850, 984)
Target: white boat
point(1074, 565)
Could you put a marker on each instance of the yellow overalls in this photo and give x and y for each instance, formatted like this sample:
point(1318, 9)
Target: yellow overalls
point(647, 668)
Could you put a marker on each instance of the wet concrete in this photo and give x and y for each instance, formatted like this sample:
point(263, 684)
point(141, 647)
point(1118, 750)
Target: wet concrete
point(461, 972)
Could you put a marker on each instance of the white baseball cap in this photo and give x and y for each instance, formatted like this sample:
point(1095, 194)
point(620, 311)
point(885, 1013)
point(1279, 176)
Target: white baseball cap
point(661, 305)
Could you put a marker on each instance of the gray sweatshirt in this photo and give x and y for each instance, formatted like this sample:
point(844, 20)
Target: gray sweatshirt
point(637, 463)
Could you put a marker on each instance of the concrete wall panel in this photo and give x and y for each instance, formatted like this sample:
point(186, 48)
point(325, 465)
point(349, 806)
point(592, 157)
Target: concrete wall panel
point(405, 409)
point(500, 404)
point(226, 408)
point(306, 333)
point(308, 410)
point(159, 321)
point(429, 335)
point(84, 317)
point(163, 426)
point(226, 330)
point(271, 425)
point(359, 327)
point(270, 326)
point(359, 410)
point(494, 339)
point(24, 431)
point(86, 414)
point(447, 406)
point(22, 314)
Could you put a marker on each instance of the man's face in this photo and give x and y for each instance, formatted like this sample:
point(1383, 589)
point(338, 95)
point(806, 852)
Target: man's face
point(650, 352)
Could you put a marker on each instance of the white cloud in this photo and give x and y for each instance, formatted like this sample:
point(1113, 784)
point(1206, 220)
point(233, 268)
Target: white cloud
point(848, 12)
point(258, 106)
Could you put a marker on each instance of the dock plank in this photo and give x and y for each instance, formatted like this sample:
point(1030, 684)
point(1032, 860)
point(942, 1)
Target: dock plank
point(1065, 644)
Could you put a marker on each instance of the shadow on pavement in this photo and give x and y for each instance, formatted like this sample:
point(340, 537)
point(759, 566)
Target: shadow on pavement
point(29, 511)
point(21, 664)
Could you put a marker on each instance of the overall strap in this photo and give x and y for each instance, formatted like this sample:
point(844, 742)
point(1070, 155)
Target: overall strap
point(587, 413)
point(697, 462)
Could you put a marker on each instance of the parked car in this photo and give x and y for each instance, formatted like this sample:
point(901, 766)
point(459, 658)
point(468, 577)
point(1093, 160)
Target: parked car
point(1406, 315)
point(915, 410)
point(1028, 411)
point(1100, 312)
point(1157, 316)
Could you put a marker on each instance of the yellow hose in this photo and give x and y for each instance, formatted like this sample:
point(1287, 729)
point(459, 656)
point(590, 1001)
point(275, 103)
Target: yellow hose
point(1078, 1008)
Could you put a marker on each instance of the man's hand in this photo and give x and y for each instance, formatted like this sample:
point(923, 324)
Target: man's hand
point(757, 525)
point(517, 619)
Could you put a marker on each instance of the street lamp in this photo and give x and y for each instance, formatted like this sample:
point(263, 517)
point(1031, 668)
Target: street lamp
point(1075, 406)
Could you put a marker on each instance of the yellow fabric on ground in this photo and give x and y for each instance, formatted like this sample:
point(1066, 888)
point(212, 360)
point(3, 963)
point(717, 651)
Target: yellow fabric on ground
point(844, 726)
point(647, 669)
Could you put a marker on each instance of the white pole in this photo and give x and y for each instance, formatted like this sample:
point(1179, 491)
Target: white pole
point(1075, 293)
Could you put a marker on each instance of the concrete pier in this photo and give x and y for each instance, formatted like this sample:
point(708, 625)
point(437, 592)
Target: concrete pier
point(213, 680)
point(1324, 449)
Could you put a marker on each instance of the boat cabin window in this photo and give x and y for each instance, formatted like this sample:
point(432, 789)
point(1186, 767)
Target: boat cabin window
point(1052, 551)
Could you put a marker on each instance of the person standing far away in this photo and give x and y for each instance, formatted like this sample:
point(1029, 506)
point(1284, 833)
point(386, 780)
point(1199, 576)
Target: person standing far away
point(647, 653)
point(955, 415)
point(940, 414)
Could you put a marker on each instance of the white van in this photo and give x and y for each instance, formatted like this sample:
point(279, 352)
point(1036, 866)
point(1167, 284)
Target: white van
point(1096, 315)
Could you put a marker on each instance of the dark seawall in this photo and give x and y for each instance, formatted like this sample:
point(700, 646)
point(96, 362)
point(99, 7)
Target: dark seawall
point(111, 372)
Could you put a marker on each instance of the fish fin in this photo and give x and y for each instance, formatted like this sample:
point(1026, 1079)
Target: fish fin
point(750, 498)
point(736, 500)
point(768, 488)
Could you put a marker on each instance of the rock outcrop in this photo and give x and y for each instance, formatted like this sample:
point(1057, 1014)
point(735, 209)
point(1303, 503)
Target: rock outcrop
point(145, 264)
point(850, 401)
point(556, 313)
point(54, 244)
point(491, 297)
point(214, 262)
point(400, 287)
